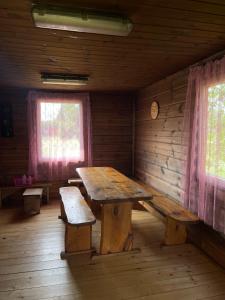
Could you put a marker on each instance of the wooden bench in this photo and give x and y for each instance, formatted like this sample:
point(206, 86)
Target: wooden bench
point(176, 217)
point(75, 182)
point(79, 219)
point(32, 200)
point(78, 182)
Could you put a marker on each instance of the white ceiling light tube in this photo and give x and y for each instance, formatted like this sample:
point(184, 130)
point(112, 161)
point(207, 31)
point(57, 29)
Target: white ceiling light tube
point(81, 20)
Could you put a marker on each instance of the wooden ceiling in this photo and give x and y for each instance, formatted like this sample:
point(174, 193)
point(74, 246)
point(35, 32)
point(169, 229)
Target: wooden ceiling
point(168, 35)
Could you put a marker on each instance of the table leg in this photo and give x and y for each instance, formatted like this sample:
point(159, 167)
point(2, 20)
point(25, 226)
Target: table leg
point(116, 231)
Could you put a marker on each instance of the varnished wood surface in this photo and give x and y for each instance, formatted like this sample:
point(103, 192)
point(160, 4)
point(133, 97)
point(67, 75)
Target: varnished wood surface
point(173, 210)
point(33, 192)
point(167, 36)
point(77, 239)
point(159, 154)
point(175, 233)
point(159, 144)
point(112, 115)
point(107, 185)
point(76, 210)
point(170, 208)
point(75, 181)
point(31, 268)
point(111, 130)
point(175, 217)
point(116, 228)
point(10, 190)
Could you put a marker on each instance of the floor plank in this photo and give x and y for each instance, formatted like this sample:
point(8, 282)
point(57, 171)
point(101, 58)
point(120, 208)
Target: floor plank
point(31, 268)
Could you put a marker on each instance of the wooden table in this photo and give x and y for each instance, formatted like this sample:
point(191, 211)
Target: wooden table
point(116, 194)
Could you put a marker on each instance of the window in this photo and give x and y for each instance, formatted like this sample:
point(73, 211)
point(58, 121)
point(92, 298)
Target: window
point(204, 117)
point(215, 152)
point(60, 131)
point(59, 126)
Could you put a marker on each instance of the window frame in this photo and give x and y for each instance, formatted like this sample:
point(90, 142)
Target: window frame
point(42, 159)
point(210, 177)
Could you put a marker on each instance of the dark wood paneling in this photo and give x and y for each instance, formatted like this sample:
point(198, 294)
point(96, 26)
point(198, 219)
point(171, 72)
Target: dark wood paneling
point(167, 36)
point(112, 116)
point(14, 150)
point(159, 154)
point(112, 134)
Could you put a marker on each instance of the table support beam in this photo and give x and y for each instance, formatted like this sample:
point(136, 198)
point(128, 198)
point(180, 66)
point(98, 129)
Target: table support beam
point(116, 230)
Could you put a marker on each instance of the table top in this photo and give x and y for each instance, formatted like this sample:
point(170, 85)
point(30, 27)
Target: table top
point(105, 184)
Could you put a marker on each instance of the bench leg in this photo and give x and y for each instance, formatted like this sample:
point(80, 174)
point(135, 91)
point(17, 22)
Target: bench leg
point(116, 231)
point(77, 238)
point(176, 232)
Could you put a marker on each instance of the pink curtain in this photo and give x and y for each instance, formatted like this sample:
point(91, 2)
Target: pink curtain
point(205, 141)
point(59, 134)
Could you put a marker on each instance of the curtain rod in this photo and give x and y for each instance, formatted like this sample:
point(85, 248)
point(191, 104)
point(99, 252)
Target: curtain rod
point(212, 57)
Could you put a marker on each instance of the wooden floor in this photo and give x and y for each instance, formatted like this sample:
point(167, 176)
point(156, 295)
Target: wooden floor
point(30, 266)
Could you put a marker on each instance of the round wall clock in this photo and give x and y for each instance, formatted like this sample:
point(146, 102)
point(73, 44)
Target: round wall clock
point(154, 110)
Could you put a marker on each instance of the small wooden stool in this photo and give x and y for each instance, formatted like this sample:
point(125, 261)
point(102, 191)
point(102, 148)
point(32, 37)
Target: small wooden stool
point(32, 200)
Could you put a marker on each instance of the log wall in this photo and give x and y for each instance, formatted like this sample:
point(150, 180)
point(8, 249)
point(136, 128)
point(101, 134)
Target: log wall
point(159, 155)
point(14, 150)
point(112, 116)
point(111, 126)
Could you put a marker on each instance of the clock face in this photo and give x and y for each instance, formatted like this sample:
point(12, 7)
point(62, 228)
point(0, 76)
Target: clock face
point(154, 110)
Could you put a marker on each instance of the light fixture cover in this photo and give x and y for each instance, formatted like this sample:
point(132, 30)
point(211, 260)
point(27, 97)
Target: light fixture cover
point(81, 20)
point(64, 79)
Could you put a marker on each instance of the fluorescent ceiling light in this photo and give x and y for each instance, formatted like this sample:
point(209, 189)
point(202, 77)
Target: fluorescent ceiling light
point(64, 79)
point(81, 20)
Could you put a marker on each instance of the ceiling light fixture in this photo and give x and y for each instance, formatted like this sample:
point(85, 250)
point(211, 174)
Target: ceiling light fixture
point(81, 20)
point(64, 79)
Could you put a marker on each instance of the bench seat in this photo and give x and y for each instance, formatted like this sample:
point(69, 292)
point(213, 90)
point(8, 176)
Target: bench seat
point(75, 181)
point(176, 217)
point(78, 219)
point(78, 182)
point(169, 208)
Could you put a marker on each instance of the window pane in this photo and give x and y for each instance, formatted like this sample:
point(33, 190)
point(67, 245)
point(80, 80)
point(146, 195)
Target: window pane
point(60, 131)
point(215, 156)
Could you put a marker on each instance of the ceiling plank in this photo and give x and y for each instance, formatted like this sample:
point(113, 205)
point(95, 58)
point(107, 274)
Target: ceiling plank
point(167, 36)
